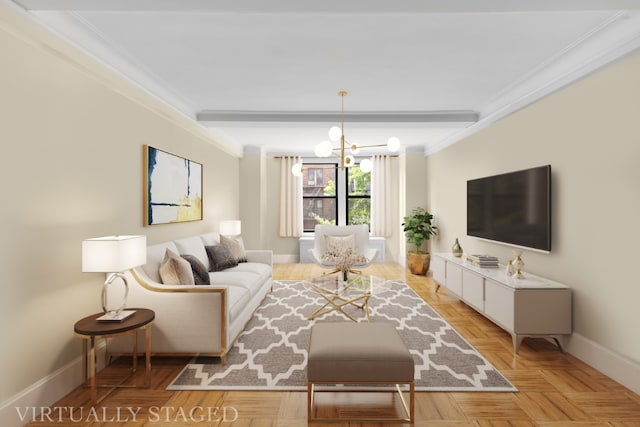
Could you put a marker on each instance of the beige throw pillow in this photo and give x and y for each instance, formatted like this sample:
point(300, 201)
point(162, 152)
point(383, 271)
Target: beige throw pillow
point(235, 246)
point(175, 270)
point(339, 243)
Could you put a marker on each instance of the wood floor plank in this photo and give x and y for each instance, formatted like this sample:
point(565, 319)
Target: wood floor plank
point(555, 389)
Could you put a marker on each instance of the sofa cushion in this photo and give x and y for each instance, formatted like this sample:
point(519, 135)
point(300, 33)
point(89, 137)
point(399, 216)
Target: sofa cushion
point(262, 270)
point(200, 272)
point(155, 256)
point(235, 246)
point(242, 279)
point(220, 258)
point(193, 246)
point(176, 270)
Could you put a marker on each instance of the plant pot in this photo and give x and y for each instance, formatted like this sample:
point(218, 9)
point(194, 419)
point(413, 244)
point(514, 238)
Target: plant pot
point(418, 263)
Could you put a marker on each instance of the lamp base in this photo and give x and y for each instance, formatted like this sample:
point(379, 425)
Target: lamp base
point(115, 316)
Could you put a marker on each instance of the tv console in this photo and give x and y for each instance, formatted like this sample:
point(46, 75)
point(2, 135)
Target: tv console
point(529, 307)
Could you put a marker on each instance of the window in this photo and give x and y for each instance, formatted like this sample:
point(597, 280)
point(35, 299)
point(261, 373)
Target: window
point(358, 196)
point(334, 196)
point(319, 198)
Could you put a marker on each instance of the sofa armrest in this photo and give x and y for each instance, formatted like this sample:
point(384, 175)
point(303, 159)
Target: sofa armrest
point(260, 255)
point(206, 305)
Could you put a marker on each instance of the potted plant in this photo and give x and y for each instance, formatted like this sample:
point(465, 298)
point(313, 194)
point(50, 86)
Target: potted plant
point(419, 227)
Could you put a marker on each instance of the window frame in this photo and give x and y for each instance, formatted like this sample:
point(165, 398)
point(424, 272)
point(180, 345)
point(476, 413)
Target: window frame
point(341, 197)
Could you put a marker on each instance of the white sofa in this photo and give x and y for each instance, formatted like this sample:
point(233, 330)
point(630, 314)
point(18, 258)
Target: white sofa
point(193, 319)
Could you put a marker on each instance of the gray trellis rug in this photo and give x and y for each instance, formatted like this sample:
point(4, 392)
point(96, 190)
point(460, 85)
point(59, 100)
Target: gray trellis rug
point(271, 353)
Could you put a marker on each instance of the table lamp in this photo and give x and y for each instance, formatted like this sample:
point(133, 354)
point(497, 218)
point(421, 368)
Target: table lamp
point(114, 255)
point(230, 227)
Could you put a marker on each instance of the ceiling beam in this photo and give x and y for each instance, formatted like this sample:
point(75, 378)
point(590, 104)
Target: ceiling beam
point(210, 116)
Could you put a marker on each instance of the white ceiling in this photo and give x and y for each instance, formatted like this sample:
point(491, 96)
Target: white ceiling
point(266, 73)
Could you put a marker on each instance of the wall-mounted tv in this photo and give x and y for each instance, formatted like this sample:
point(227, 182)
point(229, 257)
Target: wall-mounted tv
point(512, 208)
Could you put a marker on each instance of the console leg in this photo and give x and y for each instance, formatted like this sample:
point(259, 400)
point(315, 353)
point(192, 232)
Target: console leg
point(517, 340)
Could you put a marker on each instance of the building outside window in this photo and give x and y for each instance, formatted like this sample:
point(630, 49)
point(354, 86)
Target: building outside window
point(319, 198)
point(335, 197)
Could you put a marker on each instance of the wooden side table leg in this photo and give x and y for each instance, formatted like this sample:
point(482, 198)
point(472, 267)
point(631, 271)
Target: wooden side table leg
point(85, 362)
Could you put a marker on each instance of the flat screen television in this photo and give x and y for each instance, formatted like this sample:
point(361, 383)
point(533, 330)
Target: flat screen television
point(512, 208)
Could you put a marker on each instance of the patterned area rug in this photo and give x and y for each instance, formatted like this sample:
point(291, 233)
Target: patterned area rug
point(271, 353)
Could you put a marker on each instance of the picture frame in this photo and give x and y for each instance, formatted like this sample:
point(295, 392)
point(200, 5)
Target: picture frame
point(172, 188)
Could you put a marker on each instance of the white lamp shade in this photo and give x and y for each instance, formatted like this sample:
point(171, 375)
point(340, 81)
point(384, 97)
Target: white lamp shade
point(231, 227)
point(112, 254)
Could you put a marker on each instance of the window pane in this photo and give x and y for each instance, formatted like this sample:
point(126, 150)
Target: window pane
point(318, 211)
point(359, 182)
point(359, 211)
point(319, 180)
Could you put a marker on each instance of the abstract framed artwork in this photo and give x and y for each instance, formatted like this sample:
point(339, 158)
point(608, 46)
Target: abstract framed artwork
point(172, 188)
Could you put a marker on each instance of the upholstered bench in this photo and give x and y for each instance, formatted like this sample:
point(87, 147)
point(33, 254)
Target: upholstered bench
point(359, 354)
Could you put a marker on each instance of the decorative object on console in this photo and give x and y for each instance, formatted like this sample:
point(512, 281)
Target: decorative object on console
point(326, 149)
point(509, 268)
point(114, 255)
point(172, 188)
point(457, 249)
point(484, 261)
point(419, 227)
point(517, 265)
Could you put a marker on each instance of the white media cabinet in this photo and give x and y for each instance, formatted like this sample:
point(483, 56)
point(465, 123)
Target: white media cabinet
point(527, 307)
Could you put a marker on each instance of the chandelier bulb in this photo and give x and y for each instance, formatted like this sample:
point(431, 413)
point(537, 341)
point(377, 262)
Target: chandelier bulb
point(366, 165)
point(296, 169)
point(348, 161)
point(354, 149)
point(393, 144)
point(335, 133)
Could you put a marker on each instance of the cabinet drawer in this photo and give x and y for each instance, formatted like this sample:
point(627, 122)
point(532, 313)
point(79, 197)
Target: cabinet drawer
point(473, 290)
point(499, 304)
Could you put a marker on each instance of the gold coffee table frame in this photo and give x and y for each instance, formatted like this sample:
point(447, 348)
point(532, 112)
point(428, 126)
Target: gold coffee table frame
point(338, 293)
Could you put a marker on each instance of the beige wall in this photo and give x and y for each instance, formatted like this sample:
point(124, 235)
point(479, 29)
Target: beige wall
point(71, 168)
point(589, 134)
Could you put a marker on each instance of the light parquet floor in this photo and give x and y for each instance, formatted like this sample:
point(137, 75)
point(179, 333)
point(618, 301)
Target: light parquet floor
point(555, 388)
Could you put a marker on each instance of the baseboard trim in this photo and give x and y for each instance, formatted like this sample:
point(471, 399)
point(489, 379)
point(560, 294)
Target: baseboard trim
point(613, 365)
point(45, 392)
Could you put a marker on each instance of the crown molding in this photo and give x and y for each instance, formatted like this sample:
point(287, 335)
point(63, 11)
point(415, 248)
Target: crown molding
point(612, 41)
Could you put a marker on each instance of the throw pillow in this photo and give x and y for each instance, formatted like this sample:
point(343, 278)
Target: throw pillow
point(235, 246)
point(220, 257)
point(175, 270)
point(337, 244)
point(200, 273)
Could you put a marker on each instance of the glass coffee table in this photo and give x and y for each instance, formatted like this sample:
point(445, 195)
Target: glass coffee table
point(339, 294)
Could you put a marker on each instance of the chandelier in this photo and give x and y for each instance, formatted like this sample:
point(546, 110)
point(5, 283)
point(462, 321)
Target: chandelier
point(336, 133)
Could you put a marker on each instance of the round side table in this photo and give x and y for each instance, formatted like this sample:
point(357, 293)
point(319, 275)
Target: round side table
point(90, 329)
